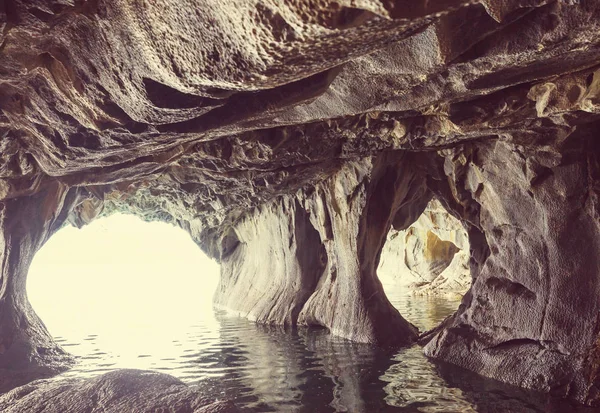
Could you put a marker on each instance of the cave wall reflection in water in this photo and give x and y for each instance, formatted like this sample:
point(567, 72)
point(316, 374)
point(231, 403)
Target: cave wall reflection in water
point(146, 304)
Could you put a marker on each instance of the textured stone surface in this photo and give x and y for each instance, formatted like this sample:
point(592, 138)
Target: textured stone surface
point(530, 317)
point(430, 257)
point(26, 223)
point(304, 130)
point(311, 260)
point(115, 392)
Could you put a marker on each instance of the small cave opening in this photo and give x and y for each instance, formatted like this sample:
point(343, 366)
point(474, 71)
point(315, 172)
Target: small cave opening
point(123, 293)
point(424, 269)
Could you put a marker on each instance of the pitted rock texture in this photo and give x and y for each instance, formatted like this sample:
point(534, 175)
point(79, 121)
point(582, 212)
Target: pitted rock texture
point(311, 128)
point(115, 392)
point(430, 257)
point(541, 224)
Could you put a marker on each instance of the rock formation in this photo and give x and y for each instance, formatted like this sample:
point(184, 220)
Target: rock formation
point(114, 392)
point(430, 257)
point(302, 262)
point(541, 225)
point(288, 138)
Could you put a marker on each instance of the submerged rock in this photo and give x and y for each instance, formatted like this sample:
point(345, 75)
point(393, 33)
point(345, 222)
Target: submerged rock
point(115, 392)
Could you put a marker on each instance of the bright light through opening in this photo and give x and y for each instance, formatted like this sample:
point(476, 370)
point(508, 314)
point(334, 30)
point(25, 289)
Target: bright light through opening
point(133, 284)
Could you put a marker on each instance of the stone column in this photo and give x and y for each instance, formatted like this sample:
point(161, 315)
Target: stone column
point(311, 258)
point(353, 213)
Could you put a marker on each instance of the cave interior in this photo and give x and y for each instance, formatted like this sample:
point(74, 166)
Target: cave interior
point(289, 138)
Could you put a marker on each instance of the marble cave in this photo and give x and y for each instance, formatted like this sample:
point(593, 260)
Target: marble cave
point(294, 140)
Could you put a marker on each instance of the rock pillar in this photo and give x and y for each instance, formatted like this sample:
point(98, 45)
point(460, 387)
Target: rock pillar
point(311, 258)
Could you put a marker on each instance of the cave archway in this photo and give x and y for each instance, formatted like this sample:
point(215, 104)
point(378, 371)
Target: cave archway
point(120, 290)
point(424, 269)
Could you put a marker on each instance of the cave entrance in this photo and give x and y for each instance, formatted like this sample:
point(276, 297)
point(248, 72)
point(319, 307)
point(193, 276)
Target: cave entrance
point(424, 269)
point(122, 292)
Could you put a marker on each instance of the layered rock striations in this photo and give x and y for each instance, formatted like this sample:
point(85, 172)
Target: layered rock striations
point(288, 138)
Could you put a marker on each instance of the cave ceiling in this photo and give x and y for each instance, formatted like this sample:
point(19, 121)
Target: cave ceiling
point(203, 110)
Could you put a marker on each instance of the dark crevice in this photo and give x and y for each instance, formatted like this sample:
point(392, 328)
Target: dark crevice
point(568, 62)
point(350, 17)
point(485, 41)
point(84, 140)
point(517, 342)
point(244, 105)
point(311, 256)
point(43, 15)
point(510, 287)
point(163, 96)
point(542, 175)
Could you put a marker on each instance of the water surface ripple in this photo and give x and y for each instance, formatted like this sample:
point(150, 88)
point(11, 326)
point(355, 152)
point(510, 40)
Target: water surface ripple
point(267, 369)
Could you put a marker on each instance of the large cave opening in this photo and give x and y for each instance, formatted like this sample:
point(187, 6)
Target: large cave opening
point(424, 269)
point(122, 292)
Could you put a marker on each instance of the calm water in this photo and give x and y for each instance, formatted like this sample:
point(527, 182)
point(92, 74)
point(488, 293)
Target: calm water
point(271, 370)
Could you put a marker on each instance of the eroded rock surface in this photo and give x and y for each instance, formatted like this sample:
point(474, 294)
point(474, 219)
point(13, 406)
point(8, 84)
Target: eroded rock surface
point(316, 255)
point(115, 392)
point(542, 225)
point(26, 223)
point(288, 137)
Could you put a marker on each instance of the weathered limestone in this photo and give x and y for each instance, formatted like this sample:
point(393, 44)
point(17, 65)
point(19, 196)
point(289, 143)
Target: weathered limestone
point(353, 213)
point(115, 392)
point(430, 257)
point(530, 318)
point(273, 266)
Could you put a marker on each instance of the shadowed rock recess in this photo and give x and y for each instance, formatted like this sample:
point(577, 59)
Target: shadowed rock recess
point(288, 138)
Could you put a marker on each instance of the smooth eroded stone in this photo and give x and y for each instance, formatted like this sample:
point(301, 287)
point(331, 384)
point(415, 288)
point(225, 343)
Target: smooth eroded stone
point(115, 392)
point(429, 257)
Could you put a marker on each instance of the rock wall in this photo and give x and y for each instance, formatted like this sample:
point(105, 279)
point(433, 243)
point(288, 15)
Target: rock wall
point(530, 317)
point(25, 344)
point(311, 259)
point(430, 257)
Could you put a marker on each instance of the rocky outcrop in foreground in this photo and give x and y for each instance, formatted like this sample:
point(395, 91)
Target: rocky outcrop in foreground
point(288, 138)
point(115, 392)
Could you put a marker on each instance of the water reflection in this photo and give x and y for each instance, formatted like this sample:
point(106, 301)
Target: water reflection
point(426, 312)
point(353, 369)
point(267, 369)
